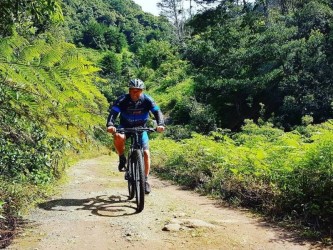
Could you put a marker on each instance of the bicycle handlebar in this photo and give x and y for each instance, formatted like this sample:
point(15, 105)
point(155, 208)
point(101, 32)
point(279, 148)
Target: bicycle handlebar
point(135, 130)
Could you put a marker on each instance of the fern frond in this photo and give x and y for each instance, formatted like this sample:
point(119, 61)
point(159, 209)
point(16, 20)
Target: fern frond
point(10, 46)
point(52, 83)
point(33, 52)
point(54, 54)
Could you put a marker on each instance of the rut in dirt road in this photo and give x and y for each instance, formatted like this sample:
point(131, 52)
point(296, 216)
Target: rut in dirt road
point(92, 212)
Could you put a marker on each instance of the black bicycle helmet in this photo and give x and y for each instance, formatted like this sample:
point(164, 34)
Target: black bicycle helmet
point(136, 84)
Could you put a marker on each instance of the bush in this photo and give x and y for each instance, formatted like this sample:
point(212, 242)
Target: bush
point(30, 155)
point(199, 117)
point(309, 190)
point(16, 198)
point(178, 132)
point(280, 174)
point(111, 65)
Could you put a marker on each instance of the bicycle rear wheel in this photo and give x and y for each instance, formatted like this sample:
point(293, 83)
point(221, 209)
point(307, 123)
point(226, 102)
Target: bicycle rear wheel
point(139, 179)
point(130, 178)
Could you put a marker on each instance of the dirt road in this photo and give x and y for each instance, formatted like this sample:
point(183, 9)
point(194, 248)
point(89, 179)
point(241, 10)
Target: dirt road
point(92, 212)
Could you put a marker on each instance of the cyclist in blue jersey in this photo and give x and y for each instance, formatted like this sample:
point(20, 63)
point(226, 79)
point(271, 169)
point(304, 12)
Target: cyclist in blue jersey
point(134, 109)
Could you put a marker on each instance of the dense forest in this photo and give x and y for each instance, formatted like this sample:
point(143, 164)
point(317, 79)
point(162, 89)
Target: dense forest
point(245, 86)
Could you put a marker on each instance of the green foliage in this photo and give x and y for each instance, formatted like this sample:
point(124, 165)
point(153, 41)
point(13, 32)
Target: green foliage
point(115, 39)
point(178, 132)
point(116, 70)
point(99, 36)
point(29, 154)
point(245, 56)
point(111, 65)
point(48, 102)
point(93, 35)
point(154, 53)
point(200, 118)
point(16, 196)
point(262, 167)
point(181, 112)
point(314, 15)
point(116, 24)
point(238, 62)
point(27, 17)
point(49, 107)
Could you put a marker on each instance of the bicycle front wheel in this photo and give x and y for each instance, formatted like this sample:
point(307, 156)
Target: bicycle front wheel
point(139, 179)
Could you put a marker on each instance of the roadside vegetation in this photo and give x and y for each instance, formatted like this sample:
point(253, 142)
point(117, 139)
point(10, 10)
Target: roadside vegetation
point(246, 88)
point(285, 176)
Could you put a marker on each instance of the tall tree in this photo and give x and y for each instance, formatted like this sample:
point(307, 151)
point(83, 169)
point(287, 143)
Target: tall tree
point(174, 11)
point(243, 61)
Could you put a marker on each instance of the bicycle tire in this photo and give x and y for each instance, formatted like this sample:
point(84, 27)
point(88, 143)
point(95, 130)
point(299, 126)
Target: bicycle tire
point(130, 180)
point(139, 180)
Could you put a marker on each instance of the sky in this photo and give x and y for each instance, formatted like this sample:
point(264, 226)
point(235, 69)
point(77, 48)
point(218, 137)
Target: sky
point(149, 6)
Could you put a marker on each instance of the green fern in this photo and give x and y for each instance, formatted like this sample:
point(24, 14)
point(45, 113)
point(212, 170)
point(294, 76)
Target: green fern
point(53, 84)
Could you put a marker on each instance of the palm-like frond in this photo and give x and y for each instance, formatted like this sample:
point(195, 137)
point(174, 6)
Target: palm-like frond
point(52, 83)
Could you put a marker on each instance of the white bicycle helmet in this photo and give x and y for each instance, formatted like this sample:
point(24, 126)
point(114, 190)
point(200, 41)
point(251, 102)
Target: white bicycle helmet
point(136, 84)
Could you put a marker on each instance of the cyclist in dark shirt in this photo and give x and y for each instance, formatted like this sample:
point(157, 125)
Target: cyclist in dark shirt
point(134, 109)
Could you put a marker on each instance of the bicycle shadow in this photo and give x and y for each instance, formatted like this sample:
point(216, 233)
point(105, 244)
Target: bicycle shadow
point(107, 206)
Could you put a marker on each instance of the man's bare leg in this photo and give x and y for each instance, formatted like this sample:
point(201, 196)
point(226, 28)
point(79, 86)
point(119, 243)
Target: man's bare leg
point(146, 155)
point(119, 143)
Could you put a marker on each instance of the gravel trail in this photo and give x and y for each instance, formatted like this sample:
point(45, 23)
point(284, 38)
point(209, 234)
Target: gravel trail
point(91, 211)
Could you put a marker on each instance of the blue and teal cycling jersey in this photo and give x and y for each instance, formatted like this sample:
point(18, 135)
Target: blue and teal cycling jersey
point(134, 114)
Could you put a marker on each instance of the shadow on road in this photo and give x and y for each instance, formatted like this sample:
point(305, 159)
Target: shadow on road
point(108, 206)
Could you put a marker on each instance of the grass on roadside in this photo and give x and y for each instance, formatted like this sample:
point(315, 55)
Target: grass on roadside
point(286, 176)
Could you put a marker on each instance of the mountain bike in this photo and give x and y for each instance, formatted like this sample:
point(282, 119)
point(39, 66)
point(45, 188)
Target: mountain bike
point(135, 172)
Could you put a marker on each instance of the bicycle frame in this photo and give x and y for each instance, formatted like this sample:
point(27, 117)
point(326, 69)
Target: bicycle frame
point(135, 165)
point(136, 141)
